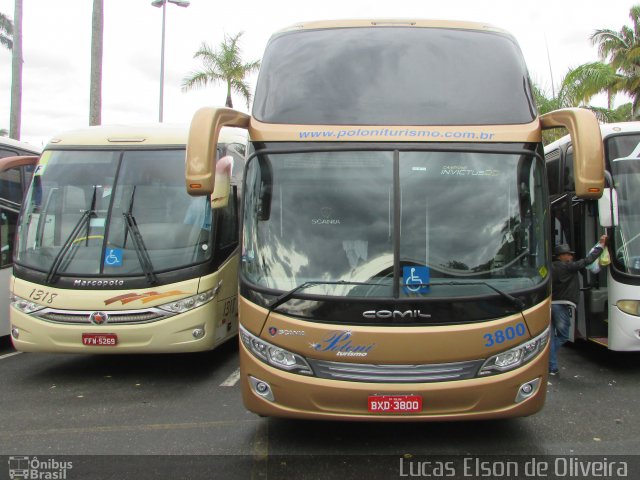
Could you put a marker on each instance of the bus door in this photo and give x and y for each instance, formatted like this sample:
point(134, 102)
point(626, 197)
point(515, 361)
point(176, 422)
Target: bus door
point(575, 221)
point(15, 175)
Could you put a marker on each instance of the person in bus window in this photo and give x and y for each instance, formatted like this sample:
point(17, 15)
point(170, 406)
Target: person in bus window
point(565, 286)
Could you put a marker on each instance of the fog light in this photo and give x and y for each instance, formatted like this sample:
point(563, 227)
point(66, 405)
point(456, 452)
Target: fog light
point(15, 333)
point(527, 390)
point(198, 333)
point(262, 388)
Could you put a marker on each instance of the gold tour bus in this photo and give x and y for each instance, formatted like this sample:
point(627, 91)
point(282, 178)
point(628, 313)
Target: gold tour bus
point(609, 309)
point(395, 246)
point(17, 162)
point(113, 255)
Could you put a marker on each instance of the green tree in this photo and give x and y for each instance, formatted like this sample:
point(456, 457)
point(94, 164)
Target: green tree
point(6, 32)
point(582, 83)
point(223, 65)
point(621, 51)
point(567, 97)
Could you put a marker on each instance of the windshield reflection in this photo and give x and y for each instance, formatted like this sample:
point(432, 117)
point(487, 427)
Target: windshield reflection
point(626, 173)
point(336, 217)
point(140, 217)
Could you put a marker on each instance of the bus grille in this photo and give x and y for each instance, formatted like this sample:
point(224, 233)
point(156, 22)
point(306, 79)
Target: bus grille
point(115, 317)
point(358, 372)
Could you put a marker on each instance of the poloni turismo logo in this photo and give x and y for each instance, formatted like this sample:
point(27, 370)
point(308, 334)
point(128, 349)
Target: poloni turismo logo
point(23, 467)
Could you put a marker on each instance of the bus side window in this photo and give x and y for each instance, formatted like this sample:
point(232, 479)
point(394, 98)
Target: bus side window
point(553, 171)
point(7, 153)
point(568, 177)
point(11, 185)
point(8, 220)
point(228, 225)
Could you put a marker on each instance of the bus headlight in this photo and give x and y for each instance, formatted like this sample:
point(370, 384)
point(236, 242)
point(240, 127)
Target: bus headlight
point(25, 306)
point(189, 303)
point(273, 355)
point(632, 307)
point(516, 356)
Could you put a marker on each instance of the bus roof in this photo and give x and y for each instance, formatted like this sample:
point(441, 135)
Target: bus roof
point(136, 136)
point(418, 23)
point(10, 142)
point(606, 130)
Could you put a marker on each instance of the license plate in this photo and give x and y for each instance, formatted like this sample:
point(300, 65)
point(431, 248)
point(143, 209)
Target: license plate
point(395, 403)
point(100, 339)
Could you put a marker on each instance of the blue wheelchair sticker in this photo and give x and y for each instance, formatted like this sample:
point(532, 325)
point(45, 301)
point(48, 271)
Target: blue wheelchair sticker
point(113, 257)
point(415, 279)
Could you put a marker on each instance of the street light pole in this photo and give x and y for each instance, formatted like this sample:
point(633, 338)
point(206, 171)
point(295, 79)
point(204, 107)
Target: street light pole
point(163, 4)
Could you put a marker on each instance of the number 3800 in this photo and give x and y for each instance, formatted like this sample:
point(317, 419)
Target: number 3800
point(503, 335)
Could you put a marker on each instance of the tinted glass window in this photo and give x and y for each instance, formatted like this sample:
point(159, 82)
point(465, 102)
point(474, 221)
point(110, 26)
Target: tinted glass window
point(329, 219)
point(393, 76)
point(621, 146)
point(7, 153)
point(8, 220)
point(11, 185)
point(568, 177)
point(553, 171)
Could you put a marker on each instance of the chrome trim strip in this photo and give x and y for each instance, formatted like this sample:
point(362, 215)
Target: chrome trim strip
point(116, 317)
point(358, 372)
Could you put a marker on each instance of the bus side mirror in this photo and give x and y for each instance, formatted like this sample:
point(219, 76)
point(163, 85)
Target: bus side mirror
point(220, 196)
point(202, 146)
point(588, 151)
point(608, 208)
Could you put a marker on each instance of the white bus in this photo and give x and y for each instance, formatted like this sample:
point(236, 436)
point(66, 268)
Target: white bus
point(609, 310)
point(113, 255)
point(17, 161)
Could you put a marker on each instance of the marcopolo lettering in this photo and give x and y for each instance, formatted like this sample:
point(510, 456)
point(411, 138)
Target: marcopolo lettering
point(373, 314)
point(98, 283)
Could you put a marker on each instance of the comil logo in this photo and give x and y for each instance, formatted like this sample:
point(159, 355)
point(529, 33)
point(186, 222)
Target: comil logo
point(21, 467)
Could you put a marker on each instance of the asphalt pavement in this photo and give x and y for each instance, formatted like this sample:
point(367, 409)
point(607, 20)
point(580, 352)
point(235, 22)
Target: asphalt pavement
point(166, 414)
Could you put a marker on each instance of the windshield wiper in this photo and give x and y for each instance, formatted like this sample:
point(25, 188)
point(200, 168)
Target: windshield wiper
point(285, 297)
point(138, 242)
point(519, 304)
point(62, 254)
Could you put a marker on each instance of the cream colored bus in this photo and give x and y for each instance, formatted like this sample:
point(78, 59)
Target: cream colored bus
point(113, 255)
point(17, 162)
point(396, 248)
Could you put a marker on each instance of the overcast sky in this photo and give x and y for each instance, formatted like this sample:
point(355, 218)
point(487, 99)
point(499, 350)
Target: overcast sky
point(57, 42)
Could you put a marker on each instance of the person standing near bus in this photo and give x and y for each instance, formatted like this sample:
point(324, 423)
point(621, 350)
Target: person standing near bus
point(566, 293)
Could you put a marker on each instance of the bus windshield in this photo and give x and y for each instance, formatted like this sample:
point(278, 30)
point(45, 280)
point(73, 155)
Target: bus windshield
point(112, 213)
point(626, 174)
point(405, 76)
point(367, 218)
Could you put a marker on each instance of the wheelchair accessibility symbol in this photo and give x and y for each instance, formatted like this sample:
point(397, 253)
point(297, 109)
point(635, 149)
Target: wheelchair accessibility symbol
point(113, 257)
point(415, 279)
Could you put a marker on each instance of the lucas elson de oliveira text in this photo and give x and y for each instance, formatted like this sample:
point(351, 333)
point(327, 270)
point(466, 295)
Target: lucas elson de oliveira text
point(532, 468)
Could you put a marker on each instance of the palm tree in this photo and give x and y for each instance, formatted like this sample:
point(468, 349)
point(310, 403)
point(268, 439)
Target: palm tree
point(95, 89)
point(6, 32)
point(621, 51)
point(569, 96)
point(223, 65)
point(582, 83)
